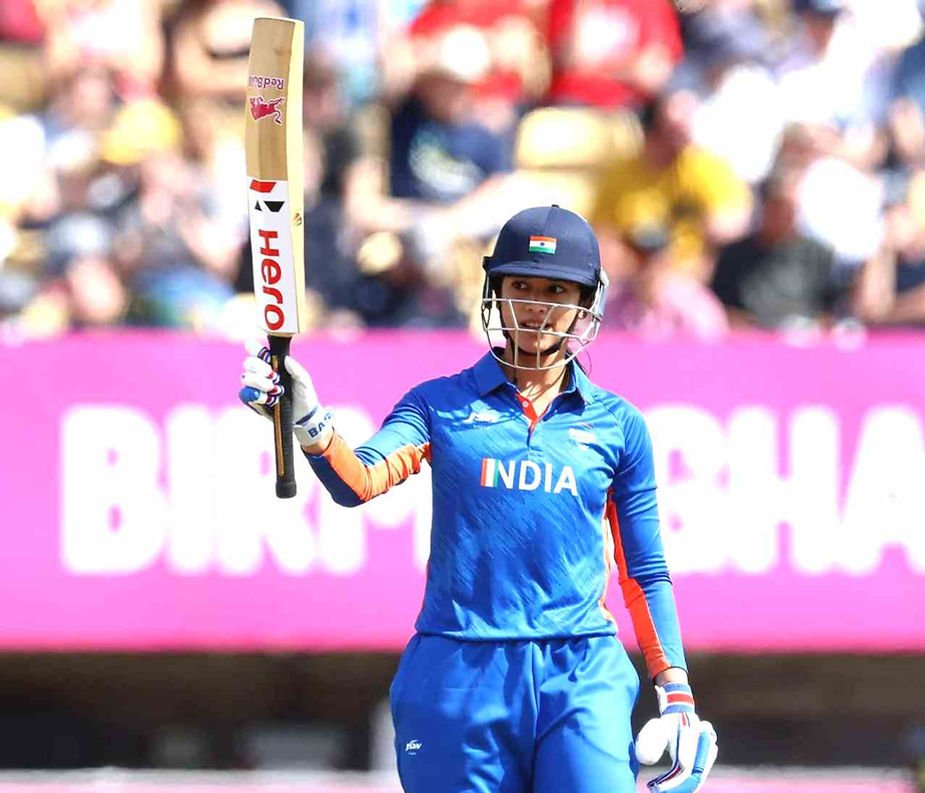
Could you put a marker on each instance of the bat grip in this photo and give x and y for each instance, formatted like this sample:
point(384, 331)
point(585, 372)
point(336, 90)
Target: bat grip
point(282, 420)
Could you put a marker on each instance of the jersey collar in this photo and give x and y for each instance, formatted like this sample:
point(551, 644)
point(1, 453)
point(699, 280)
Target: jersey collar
point(489, 375)
point(579, 383)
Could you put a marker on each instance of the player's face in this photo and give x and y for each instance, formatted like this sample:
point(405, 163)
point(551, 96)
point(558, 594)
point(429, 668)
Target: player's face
point(534, 311)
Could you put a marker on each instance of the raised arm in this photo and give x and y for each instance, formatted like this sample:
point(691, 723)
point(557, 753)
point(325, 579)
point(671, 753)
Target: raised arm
point(388, 458)
point(352, 477)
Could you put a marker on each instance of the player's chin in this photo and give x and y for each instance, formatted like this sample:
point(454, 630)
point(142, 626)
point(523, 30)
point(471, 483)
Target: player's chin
point(530, 340)
point(538, 344)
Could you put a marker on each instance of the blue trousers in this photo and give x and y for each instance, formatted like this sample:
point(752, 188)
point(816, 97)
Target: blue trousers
point(546, 716)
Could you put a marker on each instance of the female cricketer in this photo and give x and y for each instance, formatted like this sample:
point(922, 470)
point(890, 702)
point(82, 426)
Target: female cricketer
point(515, 681)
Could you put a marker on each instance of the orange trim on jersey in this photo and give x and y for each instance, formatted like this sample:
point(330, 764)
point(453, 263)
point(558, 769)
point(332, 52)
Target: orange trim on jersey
point(370, 481)
point(635, 600)
point(607, 548)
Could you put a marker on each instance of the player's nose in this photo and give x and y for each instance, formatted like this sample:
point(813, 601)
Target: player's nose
point(534, 295)
point(531, 311)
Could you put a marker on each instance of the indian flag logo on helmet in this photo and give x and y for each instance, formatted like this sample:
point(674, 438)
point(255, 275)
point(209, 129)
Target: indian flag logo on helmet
point(542, 244)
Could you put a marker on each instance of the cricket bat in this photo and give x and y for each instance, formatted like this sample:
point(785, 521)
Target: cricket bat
point(273, 143)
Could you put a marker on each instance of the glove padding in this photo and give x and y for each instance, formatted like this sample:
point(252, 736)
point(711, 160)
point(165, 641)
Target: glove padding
point(691, 743)
point(262, 390)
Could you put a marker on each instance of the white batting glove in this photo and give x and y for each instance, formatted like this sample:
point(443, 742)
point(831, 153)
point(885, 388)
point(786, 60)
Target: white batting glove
point(691, 743)
point(262, 390)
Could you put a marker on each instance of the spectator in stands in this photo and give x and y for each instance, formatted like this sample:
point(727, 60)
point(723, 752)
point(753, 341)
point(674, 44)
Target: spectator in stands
point(838, 204)
point(179, 263)
point(22, 160)
point(22, 36)
point(209, 46)
point(124, 36)
point(214, 151)
point(446, 183)
point(82, 107)
point(702, 22)
point(60, 198)
point(81, 286)
point(907, 108)
point(834, 84)
point(611, 53)
point(329, 229)
point(17, 291)
point(740, 117)
point(439, 151)
point(889, 27)
point(658, 301)
point(517, 71)
point(94, 292)
point(74, 201)
point(674, 183)
point(777, 277)
point(891, 289)
point(834, 89)
point(350, 35)
point(89, 293)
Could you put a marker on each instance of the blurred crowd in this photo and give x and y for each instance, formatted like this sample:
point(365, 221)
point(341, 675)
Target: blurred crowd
point(746, 163)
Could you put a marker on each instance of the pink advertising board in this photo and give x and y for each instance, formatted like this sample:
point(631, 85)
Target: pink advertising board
point(136, 495)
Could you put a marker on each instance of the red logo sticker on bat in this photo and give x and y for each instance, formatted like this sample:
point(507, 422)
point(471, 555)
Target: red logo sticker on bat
point(262, 81)
point(261, 108)
point(262, 187)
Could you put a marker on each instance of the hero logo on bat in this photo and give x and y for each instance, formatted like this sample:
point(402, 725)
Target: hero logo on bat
point(271, 249)
point(262, 108)
point(274, 314)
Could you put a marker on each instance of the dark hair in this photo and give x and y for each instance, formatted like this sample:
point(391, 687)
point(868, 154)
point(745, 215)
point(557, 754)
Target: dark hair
point(778, 182)
point(648, 113)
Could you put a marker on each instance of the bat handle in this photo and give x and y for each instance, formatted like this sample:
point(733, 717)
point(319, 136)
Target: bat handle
point(282, 420)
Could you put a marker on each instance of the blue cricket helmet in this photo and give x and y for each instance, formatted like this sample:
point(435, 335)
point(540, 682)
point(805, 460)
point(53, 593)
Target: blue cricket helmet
point(546, 242)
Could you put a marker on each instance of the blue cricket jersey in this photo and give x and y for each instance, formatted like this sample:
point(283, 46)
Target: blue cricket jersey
point(529, 513)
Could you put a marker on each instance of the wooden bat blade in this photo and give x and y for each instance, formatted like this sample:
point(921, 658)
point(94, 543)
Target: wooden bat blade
point(273, 144)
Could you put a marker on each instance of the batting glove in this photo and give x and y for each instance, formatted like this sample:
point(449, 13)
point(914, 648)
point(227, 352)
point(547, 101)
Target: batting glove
point(262, 390)
point(691, 743)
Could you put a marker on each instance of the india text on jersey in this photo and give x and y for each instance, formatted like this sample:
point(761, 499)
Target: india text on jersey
point(527, 475)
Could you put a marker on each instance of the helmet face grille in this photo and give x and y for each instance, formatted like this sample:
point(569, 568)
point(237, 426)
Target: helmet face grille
point(582, 332)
